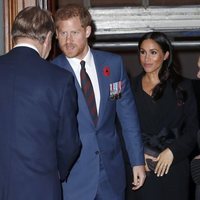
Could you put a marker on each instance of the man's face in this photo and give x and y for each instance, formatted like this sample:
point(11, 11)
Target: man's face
point(72, 37)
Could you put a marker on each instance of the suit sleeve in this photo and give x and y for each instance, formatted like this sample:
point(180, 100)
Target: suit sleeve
point(68, 142)
point(128, 117)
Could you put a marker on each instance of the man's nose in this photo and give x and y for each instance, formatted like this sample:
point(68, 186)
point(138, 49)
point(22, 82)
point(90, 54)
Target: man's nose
point(69, 37)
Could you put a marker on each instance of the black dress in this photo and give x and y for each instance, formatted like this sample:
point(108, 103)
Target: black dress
point(165, 114)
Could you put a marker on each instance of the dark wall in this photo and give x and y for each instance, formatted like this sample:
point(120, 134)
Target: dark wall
point(185, 58)
point(106, 3)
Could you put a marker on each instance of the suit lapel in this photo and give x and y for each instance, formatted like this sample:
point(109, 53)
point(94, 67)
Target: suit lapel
point(66, 65)
point(103, 83)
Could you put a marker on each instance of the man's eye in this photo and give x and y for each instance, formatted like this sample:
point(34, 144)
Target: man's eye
point(74, 33)
point(64, 34)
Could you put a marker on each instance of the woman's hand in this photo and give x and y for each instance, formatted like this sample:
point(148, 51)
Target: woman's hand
point(164, 160)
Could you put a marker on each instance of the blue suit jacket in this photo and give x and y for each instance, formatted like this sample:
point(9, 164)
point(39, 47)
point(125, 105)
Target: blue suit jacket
point(102, 141)
point(38, 129)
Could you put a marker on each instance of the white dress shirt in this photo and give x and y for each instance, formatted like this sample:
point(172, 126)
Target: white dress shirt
point(91, 70)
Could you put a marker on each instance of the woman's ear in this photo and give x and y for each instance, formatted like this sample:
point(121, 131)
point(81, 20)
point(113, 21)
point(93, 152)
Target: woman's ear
point(198, 62)
point(166, 55)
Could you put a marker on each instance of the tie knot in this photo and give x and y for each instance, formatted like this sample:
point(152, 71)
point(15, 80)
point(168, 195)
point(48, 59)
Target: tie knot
point(82, 64)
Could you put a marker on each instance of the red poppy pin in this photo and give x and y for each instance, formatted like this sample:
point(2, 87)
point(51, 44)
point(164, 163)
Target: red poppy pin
point(106, 71)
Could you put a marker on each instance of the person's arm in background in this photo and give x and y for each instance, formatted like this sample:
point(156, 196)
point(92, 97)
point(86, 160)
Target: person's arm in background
point(195, 163)
point(198, 104)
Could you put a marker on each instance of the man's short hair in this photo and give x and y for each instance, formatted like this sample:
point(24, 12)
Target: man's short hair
point(74, 10)
point(33, 23)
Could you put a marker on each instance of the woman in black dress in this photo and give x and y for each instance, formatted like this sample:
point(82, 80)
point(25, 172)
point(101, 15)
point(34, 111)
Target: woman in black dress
point(168, 116)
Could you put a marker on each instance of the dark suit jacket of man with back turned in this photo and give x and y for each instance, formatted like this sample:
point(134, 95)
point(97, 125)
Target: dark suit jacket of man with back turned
point(38, 129)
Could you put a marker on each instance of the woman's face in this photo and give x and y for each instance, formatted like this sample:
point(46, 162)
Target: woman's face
point(151, 56)
point(198, 74)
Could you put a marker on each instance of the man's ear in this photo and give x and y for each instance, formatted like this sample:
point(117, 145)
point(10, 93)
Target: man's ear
point(88, 31)
point(48, 38)
point(46, 46)
point(56, 34)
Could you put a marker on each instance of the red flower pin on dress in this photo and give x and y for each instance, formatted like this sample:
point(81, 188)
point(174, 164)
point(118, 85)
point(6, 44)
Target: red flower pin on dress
point(106, 71)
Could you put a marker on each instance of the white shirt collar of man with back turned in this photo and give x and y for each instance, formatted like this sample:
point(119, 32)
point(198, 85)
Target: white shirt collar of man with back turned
point(26, 45)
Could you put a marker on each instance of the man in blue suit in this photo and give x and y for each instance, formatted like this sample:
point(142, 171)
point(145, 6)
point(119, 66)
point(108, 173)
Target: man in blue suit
point(99, 171)
point(39, 140)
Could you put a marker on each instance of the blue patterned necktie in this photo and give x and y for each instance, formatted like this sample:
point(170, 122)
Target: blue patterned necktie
point(88, 92)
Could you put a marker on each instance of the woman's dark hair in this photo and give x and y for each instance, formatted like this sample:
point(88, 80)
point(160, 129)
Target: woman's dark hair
point(168, 70)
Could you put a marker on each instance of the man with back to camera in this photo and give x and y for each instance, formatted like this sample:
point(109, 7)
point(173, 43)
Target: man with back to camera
point(99, 173)
point(39, 140)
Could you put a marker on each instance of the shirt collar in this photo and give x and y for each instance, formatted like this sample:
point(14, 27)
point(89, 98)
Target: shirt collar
point(26, 45)
point(87, 58)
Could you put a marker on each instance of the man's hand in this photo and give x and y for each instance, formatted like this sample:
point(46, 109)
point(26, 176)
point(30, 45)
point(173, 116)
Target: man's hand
point(139, 176)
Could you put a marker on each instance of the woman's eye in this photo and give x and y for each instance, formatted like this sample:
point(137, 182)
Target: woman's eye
point(142, 52)
point(154, 52)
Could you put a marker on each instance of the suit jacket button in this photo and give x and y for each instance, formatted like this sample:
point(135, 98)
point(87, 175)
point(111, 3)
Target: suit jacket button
point(96, 152)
